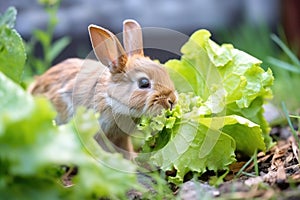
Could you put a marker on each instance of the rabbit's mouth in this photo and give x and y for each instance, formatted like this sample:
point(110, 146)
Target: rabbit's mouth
point(156, 109)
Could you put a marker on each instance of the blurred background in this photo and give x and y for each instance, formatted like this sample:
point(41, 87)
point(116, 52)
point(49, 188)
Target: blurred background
point(220, 17)
point(184, 16)
point(247, 24)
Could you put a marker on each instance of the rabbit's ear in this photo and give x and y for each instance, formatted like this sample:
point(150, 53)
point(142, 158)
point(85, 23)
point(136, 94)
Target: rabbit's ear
point(132, 37)
point(108, 48)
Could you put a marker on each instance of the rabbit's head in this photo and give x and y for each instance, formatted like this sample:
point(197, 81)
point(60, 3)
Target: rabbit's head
point(137, 84)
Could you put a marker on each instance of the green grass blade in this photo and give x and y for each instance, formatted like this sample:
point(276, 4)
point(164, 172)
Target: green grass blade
point(294, 116)
point(255, 163)
point(294, 132)
point(244, 167)
point(57, 47)
point(288, 52)
point(284, 65)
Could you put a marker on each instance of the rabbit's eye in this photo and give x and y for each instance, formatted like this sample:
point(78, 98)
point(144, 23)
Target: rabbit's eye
point(143, 83)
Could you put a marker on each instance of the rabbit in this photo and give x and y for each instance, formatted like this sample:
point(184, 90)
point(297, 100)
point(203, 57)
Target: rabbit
point(122, 85)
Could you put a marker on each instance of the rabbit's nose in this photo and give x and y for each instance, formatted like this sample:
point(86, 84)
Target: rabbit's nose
point(171, 104)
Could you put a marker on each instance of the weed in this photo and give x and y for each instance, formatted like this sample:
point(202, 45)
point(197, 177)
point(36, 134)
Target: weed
point(44, 38)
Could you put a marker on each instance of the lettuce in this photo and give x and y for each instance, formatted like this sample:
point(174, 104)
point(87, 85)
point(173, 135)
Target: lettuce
point(32, 151)
point(12, 50)
point(220, 110)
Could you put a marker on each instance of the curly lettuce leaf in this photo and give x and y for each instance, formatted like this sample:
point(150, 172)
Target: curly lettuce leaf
point(240, 129)
point(189, 139)
point(229, 80)
point(206, 66)
point(193, 150)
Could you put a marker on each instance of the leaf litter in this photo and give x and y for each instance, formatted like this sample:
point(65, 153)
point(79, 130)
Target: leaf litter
point(279, 174)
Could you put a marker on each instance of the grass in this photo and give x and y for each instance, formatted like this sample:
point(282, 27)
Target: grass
point(255, 163)
point(292, 128)
point(44, 39)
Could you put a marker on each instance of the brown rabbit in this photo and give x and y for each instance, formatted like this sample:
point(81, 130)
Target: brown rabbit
point(124, 87)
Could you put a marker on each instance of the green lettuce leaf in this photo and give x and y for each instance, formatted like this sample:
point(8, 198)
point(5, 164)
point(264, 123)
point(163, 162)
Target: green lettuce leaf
point(12, 51)
point(240, 129)
point(33, 149)
point(189, 139)
point(191, 150)
point(230, 80)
